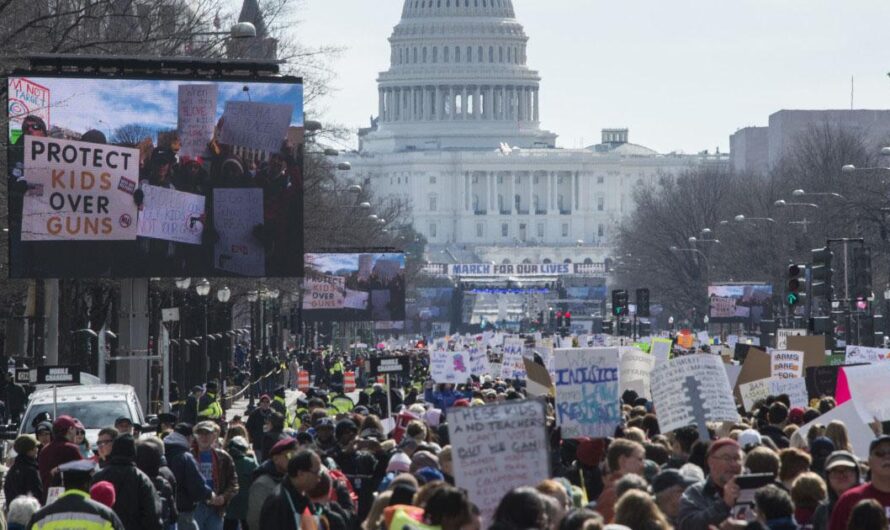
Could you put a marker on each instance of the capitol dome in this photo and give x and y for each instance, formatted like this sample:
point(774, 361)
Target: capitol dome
point(457, 80)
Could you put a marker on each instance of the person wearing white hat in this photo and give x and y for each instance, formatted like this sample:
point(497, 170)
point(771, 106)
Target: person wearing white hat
point(74, 506)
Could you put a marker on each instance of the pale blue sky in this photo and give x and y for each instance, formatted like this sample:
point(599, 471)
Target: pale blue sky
point(682, 75)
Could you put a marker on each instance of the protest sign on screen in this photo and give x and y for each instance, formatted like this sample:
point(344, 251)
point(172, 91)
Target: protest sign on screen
point(141, 194)
point(360, 286)
point(739, 302)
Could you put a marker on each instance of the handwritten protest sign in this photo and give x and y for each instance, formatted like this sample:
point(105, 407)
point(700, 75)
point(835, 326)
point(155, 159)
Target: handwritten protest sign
point(79, 191)
point(478, 360)
point(783, 334)
point(692, 390)
point(497, 448)
point(755, 391)
point(236, 212)
point(171, 215)
point(786, 364)
point(866, 385)
point(196, 118)
point(513, 367)
point(635, 365)
point(260, 126)
point(864, 354)
point(587, 397)
point(26, 98)
point(812, 346)
point(449, 367)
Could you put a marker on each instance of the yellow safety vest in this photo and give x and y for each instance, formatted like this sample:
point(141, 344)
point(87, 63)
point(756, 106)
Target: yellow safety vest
point(213, 411)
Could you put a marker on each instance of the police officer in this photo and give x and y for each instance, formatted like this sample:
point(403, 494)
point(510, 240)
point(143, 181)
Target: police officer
point(208, 406)
point(74, 506)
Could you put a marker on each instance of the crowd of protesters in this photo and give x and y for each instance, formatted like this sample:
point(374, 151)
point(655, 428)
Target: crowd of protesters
point(321, 460)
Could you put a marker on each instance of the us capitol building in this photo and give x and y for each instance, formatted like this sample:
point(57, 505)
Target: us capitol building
point(458, 133)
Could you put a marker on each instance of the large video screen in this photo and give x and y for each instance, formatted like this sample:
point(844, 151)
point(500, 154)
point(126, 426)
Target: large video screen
point(366, 286)
point(739, 302)
point(117, 177)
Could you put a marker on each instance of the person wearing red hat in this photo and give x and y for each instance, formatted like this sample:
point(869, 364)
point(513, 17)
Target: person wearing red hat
point(709, 503)
point(103, 491)
point(60, 451)
point(878, 489)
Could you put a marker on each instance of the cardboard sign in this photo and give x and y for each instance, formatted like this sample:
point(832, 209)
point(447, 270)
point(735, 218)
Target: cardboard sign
point(692, 390)
point(171, 215)
point(634, 365)
point(783, 334)
point(449, 367)
point(261, 126)
point(755, 391)
point(867, 386)
point(236, 212)
point(513, 367)
point(497, 448)
point(756, 366)
point(587, 397)
point(859, 432)
point(389, 365)
point(538, 382)
point(79, 191)
point(196, 118)
point(813, 348)
point(786, 364)
point(864, 354)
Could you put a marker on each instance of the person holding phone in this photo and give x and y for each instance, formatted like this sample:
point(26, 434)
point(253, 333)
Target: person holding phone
point(710, 502)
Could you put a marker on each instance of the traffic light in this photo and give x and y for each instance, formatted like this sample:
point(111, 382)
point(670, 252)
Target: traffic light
point(822, 272)
point(558, 320)
point(861, 273)
point(619, 302)
point(567, 319)
point(608, 327)
point(643, 302)
point(795, 285)
point(624, 328)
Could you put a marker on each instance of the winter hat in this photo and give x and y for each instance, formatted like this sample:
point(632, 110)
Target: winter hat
point(721, 443)
point(821, 447)
point(63, 423)
point(463, 402)
point(399, 462)
point(24, 443)
point(424, 459)
point(124, 446)
point(590, 451)
point(428, 474)
point(749, 439)
point(238, 443)
point(103, 492)
point(795, 416)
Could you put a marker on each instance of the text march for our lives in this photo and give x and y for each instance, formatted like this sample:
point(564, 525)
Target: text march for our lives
point(497, 448)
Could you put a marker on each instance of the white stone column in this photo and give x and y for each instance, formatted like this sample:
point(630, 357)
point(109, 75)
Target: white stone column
point(424, 91)
point(531, 193)
point(504, 115)
point(463, 103)
point(380, 103)
point(437, 103)
point(477, 100)
point(489, 177)
point(512, 203)
point(574, 194)
point(488, 111)
point(537, 108)
point(452, 97)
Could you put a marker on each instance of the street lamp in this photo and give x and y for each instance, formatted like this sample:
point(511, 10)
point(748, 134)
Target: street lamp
point(741, 219)
point(252, 297)
point(183, 283)
point(693, 240)
point(373, 217)
point(222, 294)
point(802, 193)
point(850, 168)
point(203, 290)
point(782, 203)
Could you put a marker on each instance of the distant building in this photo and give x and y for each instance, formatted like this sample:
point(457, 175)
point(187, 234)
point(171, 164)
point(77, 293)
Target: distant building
point(457, 134)
point(759, 149)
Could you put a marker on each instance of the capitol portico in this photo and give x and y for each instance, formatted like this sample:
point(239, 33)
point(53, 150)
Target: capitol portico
point(458, 135)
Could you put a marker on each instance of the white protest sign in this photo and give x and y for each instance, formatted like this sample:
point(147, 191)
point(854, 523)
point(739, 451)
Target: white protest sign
point(260, 126)
point(236, 212)
point(196, 118)
point(355, 299)
point(731, 340)
point(587, 397)
point(171, 215)
point(795, 388)
point(478, 361)
point(513, 367)
point(860, 434)
point(703, 337)
point(635, 365)
point(79, 191)
point(786, 363)
point(497, 448)
point(692, 389)
point(869, 390)
point(660, 349)
point(323, 291)
point(732, 373)
point(864, 354)
point(449, 367)
point(783, 334)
